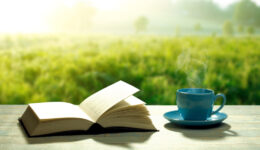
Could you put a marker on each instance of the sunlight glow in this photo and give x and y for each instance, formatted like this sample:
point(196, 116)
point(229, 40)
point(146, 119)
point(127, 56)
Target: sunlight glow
point(30, 16)
point(107, 4)
point(23, 16)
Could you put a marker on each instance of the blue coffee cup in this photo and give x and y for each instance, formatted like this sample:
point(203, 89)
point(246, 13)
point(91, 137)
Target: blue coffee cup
point(197, 103)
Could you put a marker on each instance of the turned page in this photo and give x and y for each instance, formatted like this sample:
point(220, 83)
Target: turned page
point(129, 101)
point(98, 103)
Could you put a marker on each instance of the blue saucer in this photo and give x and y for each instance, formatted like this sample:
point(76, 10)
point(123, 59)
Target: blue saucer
point(176, 118)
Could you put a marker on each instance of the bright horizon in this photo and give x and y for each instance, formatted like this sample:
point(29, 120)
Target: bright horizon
point(29, 16)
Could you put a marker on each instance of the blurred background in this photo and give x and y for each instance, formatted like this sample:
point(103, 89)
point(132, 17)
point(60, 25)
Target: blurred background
point(65, 50)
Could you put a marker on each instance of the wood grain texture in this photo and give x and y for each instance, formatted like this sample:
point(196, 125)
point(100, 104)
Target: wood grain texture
point(241, 130)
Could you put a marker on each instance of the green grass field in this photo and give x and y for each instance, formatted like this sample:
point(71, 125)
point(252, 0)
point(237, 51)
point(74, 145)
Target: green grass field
point(39, 68)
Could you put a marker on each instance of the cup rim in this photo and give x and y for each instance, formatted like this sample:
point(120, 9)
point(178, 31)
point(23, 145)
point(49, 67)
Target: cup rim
point(188, 93)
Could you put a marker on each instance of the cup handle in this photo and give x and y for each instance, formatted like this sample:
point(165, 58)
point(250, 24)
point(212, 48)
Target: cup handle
point(223, 102)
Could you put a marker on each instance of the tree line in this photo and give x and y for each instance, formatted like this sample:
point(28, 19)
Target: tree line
point(241, 17)
point(244, 15)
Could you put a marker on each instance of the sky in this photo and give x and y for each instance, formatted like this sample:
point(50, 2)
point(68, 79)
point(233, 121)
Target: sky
point(30, 15)
point(226, 3)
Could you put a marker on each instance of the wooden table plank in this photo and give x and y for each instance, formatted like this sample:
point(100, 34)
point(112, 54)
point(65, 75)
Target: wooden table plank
point(241, 130)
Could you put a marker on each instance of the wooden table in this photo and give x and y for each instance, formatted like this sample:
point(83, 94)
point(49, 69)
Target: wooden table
point(241, 130)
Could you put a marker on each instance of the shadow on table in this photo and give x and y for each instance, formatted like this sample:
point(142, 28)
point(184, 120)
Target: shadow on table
point(113, 136)
point(213, 132)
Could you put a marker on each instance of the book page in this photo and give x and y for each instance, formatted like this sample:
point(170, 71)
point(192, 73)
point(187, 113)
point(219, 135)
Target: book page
point(129, 106)
point(58, 110)
point(98, 103)
point(132, 100)
point(129, 101)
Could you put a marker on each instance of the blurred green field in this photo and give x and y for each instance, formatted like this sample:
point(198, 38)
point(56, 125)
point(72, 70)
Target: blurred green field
point(39, 68)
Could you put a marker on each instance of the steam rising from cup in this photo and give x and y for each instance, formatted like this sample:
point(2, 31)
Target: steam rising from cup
point(195, 68)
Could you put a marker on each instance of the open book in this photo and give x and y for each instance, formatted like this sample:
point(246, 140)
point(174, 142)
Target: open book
point(113, 106)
